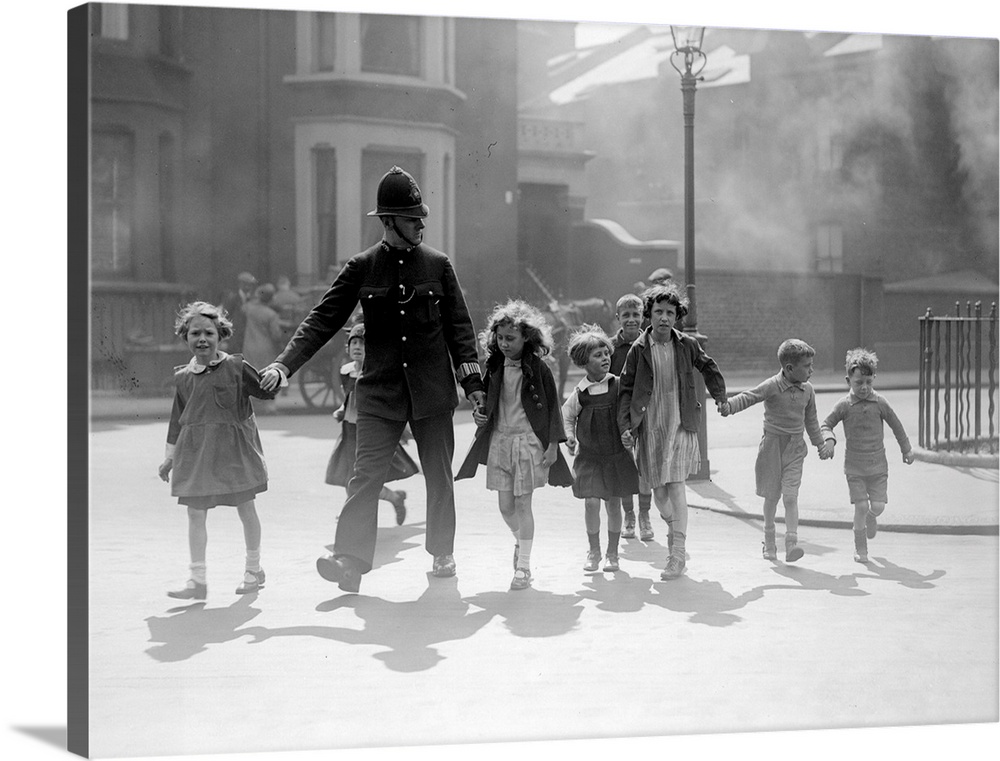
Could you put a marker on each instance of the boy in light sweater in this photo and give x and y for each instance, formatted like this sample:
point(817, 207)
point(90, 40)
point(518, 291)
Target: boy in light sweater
point(863, 412)
point(789, 409)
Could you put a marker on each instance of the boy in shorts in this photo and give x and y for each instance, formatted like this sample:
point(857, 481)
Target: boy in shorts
point(863, 412)
point(789, 409)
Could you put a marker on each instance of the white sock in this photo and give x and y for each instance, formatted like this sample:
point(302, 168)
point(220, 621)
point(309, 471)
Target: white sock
point(253, 560)
point(524, 554)
point(198, 572)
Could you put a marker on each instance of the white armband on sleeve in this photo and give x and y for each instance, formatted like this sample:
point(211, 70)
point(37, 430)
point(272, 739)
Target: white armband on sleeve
point(468, 368)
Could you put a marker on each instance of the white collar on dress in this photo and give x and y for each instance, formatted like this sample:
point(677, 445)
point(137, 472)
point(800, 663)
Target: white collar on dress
point(194, 367)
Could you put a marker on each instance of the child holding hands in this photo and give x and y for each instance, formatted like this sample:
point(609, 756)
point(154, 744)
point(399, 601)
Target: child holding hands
point(658, 411)
point(520, 425)
point(603, 469)
point(213, 454)
point(789, 408)
point(628, 312)
point(340, 468)
point(863, 412)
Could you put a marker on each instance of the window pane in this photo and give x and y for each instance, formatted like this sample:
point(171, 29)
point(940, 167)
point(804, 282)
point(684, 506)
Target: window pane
point(391, 45)
point(111, 201)
point(325, 41)
point(326, 209)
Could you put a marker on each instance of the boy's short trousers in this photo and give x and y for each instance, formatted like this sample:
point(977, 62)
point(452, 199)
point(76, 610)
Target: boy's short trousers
point(779, 465)
point(514, 462)
point(870, 488)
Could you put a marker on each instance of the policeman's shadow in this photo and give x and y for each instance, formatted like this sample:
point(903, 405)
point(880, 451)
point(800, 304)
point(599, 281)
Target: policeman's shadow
point(194, 627)
point(888, 571)
point(531, 612)
point(407, 630)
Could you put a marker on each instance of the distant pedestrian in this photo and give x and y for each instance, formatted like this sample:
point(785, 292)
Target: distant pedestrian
point(789, 409)
point(213, 454)
point(520, 425)
point(603, 468)
point(863, 411)
point(341, 466)
point(232, 303)
point(263, 333)
point(628, 312)
point(286, 302)
point(658, 412)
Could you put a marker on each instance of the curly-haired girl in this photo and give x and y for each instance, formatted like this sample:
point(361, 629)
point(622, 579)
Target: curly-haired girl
point(213, 446)
point(520, 426)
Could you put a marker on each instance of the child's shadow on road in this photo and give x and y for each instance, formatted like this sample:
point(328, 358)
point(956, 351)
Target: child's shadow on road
point(407, 630)
point(531, 612)
point(888, 571)
point(195, 627)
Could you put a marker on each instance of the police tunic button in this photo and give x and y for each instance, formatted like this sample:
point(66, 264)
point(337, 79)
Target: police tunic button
point(404, 364)
point(402, 311)
point(404, 338)
point(539, 405)
point(535, 397)
point(400, 261)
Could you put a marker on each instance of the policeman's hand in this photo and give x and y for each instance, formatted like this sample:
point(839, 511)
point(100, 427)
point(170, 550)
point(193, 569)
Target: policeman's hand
point(627, 440)
point(908, 457)
point(338, 414)
point(478, 399)
point(271, 377)
point(478, 416)
point(165, 468)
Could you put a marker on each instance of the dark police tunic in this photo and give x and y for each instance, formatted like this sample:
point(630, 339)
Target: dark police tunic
point(418, 333)
point(418, 339)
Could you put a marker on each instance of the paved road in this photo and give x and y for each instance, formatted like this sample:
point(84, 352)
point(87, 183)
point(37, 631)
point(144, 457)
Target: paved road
point(737, 645)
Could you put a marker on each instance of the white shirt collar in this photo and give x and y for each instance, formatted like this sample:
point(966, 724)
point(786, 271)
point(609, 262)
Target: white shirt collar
point(194, 367)
point(586, 383)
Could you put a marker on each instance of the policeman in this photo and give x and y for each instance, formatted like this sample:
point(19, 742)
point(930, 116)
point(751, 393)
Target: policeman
point(419, 338)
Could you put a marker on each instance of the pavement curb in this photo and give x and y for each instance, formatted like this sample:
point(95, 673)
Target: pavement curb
point(899, 528)
point(957, 459)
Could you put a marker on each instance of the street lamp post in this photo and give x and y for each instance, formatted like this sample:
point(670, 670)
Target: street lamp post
point(689, 61)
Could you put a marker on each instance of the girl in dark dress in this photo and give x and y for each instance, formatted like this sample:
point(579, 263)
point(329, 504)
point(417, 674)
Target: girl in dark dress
point(603, 469)
point(213, 454)
point(341, 466)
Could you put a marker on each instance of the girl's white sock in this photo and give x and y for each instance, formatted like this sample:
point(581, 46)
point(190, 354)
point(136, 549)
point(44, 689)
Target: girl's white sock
point(198, 572)
point(524, 554)
point(253, 560)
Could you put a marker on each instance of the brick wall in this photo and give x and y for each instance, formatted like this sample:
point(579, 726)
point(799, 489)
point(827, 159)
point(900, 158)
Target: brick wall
point(746, 315)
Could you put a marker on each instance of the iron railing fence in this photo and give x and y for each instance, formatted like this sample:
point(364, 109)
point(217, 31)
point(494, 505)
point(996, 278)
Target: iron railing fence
point(958, 380)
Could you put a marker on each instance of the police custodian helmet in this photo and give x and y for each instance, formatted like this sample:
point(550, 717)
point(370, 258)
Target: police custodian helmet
point(398, 196)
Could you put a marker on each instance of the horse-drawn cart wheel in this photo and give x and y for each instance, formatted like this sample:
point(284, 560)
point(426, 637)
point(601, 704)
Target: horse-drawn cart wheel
point(320, 391)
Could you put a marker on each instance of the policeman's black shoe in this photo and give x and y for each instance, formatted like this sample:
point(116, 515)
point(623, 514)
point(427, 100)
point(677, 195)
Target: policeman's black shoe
point(340, 570)
point(444, 566)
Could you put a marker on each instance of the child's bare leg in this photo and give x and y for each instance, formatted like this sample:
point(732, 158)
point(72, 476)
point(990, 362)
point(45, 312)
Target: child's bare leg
point(592, 515)
point(613, 507)
point(526, 530)
point(253, 578)
point(770, 511)
point(197, 535)
point(676, 494)
point(506, 500)
point(871, 522)
point(860, 534)
point(660, 496)
point(196, 588)
point(251, 525)
point(860, 511)
point(792, 550)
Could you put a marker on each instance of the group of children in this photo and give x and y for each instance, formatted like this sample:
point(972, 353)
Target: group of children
point(632, 423)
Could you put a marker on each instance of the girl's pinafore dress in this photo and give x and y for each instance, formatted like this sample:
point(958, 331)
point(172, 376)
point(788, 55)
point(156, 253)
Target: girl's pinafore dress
point(340, 468)
point(514, 462)
point(218, 458)
point(603, 467)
